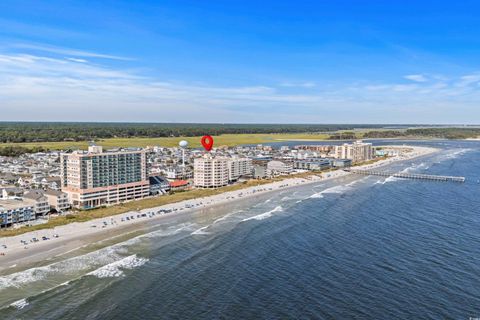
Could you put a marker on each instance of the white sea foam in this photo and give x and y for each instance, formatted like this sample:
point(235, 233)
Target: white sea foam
point(115, 269)
point(70, 266)
point(201, 231)
point(456, 153)
point(351, 184)
point(316, 195)
point(20, 304)
point(225, 217)
point(391, 179)
point(332, 190)
point(264, 215)
point(169, 232)
point(414, 167)
point(76, 265)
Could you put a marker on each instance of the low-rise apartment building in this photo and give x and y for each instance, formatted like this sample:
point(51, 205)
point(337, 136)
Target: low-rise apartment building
point(42, 206)
point(276, 167)
point(312, 164)
point(57, 200)
point(16, 211)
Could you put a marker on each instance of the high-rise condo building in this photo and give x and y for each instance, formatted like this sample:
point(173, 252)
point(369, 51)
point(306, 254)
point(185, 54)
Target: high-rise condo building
point(214, 172)
point(96, 178)
point(357, 151)
point(238, 167)
point(210, 172)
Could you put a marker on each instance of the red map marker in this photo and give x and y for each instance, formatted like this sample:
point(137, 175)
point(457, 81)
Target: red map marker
point(207, 142)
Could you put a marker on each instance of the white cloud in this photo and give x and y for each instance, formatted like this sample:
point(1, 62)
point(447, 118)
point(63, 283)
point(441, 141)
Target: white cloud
point(416, 77)
point(307, 84)
point(77, 60)
point(34, 87)
point(469, 79)
point(68, 51)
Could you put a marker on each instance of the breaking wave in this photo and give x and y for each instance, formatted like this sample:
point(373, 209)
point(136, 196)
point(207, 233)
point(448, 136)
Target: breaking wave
point(20, 304)
point(75, 266)
point(200, 231)
point(264, 215)
point(225, 217)
point(67, 267)
point(332, 190)
point(115, 269)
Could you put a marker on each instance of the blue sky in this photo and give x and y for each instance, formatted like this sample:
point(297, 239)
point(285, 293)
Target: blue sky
point(241, 61)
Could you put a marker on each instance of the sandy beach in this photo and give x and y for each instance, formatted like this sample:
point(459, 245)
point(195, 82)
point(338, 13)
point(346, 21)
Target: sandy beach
point(66, 238)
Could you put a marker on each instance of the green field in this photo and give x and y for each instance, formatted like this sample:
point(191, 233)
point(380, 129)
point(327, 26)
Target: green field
point(222, 140)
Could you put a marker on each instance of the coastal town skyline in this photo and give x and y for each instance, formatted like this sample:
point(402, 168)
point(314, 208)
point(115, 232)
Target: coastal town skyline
point(181, 159)
point(205, 62)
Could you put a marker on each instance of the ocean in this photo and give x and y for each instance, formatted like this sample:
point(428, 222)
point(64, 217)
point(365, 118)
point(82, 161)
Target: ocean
point(353, 248)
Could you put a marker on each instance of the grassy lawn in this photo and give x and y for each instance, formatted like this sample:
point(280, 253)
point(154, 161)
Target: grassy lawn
point(222, 140)
point(153, 202)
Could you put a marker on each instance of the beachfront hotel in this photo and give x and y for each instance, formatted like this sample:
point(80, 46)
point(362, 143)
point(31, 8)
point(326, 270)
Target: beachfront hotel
point(357, 152)
point(96, 178)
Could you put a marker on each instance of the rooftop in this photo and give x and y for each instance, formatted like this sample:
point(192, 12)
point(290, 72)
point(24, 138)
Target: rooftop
point(178, 183)
point(15, 204)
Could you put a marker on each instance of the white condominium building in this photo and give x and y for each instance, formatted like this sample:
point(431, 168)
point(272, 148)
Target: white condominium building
point(238, 167)
point(210, 172)
point(357, 151)
point(276, 167)
point(96, 178)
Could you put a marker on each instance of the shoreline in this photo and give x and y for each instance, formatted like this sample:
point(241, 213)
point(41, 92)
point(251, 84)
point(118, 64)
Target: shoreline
point(76, 235)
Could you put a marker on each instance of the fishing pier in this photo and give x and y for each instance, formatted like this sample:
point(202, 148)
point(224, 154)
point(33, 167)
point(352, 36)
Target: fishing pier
point(402, 175)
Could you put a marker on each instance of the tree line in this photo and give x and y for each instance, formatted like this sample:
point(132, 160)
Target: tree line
point(439, 133)
point(17, 132)
point(15, 151)
point(14, 132)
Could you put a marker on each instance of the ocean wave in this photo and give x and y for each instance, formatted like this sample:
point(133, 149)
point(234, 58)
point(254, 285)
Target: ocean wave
point(69, 266)
point(391, 179)
point(262, 203)
point(264, 215)
point(333, 190)
point(415, 167)
point(225, 217)
point(115, 269)
point(20, 304)
point(83, 263)
point(165, 233)
point(455, 153)
point(351, 184)
point(200, 231)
